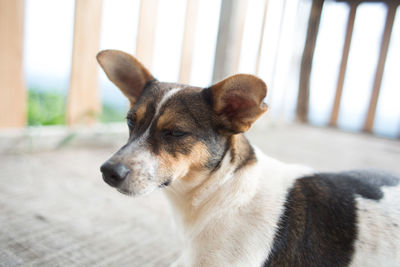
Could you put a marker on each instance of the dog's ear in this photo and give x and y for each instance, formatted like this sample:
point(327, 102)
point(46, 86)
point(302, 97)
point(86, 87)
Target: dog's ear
point(238, 101)
point(125, 71)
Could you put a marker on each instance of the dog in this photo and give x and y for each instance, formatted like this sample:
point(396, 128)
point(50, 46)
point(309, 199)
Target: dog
point(234, 205)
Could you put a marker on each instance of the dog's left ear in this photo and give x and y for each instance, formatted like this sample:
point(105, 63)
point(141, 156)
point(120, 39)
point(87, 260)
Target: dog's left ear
point(125, 71)
point(238, 101)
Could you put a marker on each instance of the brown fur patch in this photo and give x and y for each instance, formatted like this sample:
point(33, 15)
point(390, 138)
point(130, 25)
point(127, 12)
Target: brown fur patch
point(167, 119)
point(140, 111)
point(125, 71)
point(183, 164)
point(242, 152)
point(238, 100)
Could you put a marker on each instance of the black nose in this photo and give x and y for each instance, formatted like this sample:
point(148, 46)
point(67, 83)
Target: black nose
point(114, 173)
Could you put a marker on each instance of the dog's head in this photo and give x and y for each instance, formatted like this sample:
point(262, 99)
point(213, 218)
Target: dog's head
point(175, 130)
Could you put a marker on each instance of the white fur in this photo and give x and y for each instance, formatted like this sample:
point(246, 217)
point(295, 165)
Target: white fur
point(378, 237)
point(143, 168)
point(231, 218)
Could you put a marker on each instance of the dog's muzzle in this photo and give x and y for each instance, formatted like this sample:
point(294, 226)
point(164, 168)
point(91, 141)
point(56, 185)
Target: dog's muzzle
point(114, 174)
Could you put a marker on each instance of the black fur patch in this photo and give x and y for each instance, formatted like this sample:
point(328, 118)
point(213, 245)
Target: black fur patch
point(247, 155)
point(166, 183)
point(319, 224)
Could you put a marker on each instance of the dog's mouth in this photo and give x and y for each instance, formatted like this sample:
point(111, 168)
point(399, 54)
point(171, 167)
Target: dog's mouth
point(166, 183)
point(128, 192)
point(125, 192)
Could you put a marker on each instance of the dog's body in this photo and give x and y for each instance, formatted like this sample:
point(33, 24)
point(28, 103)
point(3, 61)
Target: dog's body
point(234, 205)
point(272, 214)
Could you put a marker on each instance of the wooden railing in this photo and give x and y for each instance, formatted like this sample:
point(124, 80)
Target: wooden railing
point(83, 98)
point(83, 101)
point(306, 64)
point(13, 103)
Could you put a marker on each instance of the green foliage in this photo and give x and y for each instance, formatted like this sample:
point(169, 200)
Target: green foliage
point(45, 108)
point(111, 113)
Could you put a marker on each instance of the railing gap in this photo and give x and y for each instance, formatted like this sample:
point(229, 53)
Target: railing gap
point(188, 40)
point(147, 31)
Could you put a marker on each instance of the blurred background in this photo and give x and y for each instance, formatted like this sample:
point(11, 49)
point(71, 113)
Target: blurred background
point(332, 70)
point(345, 74)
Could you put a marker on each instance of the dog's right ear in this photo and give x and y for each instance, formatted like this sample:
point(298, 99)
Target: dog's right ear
point(125, 71)
point(238, 101)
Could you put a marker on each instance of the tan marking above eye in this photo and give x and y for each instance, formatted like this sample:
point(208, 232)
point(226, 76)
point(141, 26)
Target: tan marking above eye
point(172, 120)
point(166, 120)
point(141, 112)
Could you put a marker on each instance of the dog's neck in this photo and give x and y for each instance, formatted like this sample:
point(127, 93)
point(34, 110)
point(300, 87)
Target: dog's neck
point(204, 193)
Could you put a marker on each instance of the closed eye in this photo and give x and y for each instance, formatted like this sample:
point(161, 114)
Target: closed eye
point(174, 133)
point(131, 122)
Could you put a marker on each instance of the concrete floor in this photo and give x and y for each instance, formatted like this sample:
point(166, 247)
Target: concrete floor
point(55, 210)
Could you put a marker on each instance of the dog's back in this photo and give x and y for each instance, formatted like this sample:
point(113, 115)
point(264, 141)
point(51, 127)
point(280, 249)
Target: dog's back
point(339, 219)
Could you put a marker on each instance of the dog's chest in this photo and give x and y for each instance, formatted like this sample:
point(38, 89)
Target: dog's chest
point(240, 238)
point(343, 219)
point(243, 235)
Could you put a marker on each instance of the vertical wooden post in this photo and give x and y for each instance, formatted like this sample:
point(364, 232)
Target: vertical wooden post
point(229, 41)
point(146, 31)
point(83, 104)
point(343, 64)
point(306, 61)
point(13, 100)
point(188, 40)
point(261, 43)
point(369, 121)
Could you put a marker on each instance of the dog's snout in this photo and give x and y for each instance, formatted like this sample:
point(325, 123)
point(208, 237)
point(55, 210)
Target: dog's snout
point(114, 173)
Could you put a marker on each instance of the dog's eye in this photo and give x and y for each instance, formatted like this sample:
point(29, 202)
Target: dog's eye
point(174, 133)
point(131, 122)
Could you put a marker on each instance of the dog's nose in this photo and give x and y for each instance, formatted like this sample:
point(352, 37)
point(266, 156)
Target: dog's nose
point(114, 173)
